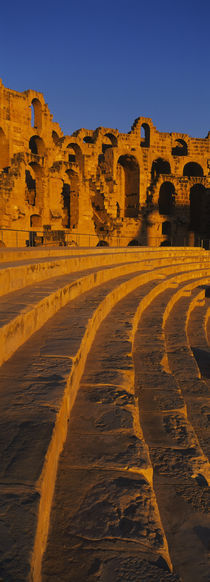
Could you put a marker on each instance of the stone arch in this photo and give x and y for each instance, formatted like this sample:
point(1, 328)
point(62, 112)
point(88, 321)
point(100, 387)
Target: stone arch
point(109, 141)
point(160, 166)
point(4, 150)
point(88, 139)
point(197, 203)
point(36, 114)
point(145, 135)
point(30, 186)
point(128, 176)
point(74, 153)
point(180, 148)
point(166, 201)
point(192, 169)
point(37, 146)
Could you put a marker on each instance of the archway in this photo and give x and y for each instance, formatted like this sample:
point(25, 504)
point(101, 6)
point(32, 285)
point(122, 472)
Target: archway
point(166, 199)
point(192, 169)
point(160, 166)
point(72, 198)
point(88, 139)
point(74, 153)
point(37, 175)
point(36, 114)
point(30, 192)
point(66, 204)
point(145, 135)
point(128, 178)
point(180, 149)
point(109, 141)
point(37, 146)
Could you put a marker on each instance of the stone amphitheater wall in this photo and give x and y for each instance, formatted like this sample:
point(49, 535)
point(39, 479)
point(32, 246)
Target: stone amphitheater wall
point(145, 185)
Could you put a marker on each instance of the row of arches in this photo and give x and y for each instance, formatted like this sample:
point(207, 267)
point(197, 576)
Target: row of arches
point(159, 166)
point(180, 147)
point(128, 178)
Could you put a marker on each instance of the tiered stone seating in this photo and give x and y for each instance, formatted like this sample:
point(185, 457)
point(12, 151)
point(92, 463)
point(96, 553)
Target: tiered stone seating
point(99, 375)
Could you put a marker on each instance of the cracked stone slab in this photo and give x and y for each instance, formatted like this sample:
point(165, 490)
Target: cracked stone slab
point(181, 463)
point(151, 399)
point(98, 565)
point(120, 450)
point(18, 507)
point(109, 512)
point(168, 429)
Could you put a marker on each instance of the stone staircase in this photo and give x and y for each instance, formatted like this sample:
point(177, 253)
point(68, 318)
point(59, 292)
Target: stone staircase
point(104, 385)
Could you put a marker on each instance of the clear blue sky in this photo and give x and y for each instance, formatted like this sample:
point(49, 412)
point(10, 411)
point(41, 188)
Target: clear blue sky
point(108, 62)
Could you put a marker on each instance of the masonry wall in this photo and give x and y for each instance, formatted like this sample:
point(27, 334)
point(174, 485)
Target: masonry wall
point(146, 186)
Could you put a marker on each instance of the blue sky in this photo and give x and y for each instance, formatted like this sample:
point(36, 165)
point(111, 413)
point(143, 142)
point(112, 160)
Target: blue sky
point(106, 63)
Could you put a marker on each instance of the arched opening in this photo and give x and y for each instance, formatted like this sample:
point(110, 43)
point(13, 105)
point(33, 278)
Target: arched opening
point(36, 114)
point(37, 175)
point(4, 150)
point(128, 178)
point(160, 166)
point(145, 135)
point(35, 221)
point(198, 216)
point(72, 156)
point(180, 149)
point(55, 137)
point(66, 204)
point(36, 145)
point(74, 153)
point(72, 199)
point(30, 193)
point(88, 139)
point(192, 169)
point(109, 141)
point(166, 201)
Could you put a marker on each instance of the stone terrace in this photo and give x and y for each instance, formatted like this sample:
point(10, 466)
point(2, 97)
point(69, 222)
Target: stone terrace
point(104, 385)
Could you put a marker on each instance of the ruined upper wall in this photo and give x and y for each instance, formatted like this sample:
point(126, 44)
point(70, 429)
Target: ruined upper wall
point(16, 119)
point(16, 123)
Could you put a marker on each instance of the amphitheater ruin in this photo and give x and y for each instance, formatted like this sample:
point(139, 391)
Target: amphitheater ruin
point(105, 351)
point(143, 186)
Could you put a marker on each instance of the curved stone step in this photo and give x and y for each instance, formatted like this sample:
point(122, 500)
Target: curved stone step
point(25, 311)
point(183, 364)
point(38, 387)
point(104, 486)
point(16, 275)
point(14, 254)
point(199, 405)
point(32, 394)
point(21, 315)
point(173, 445)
